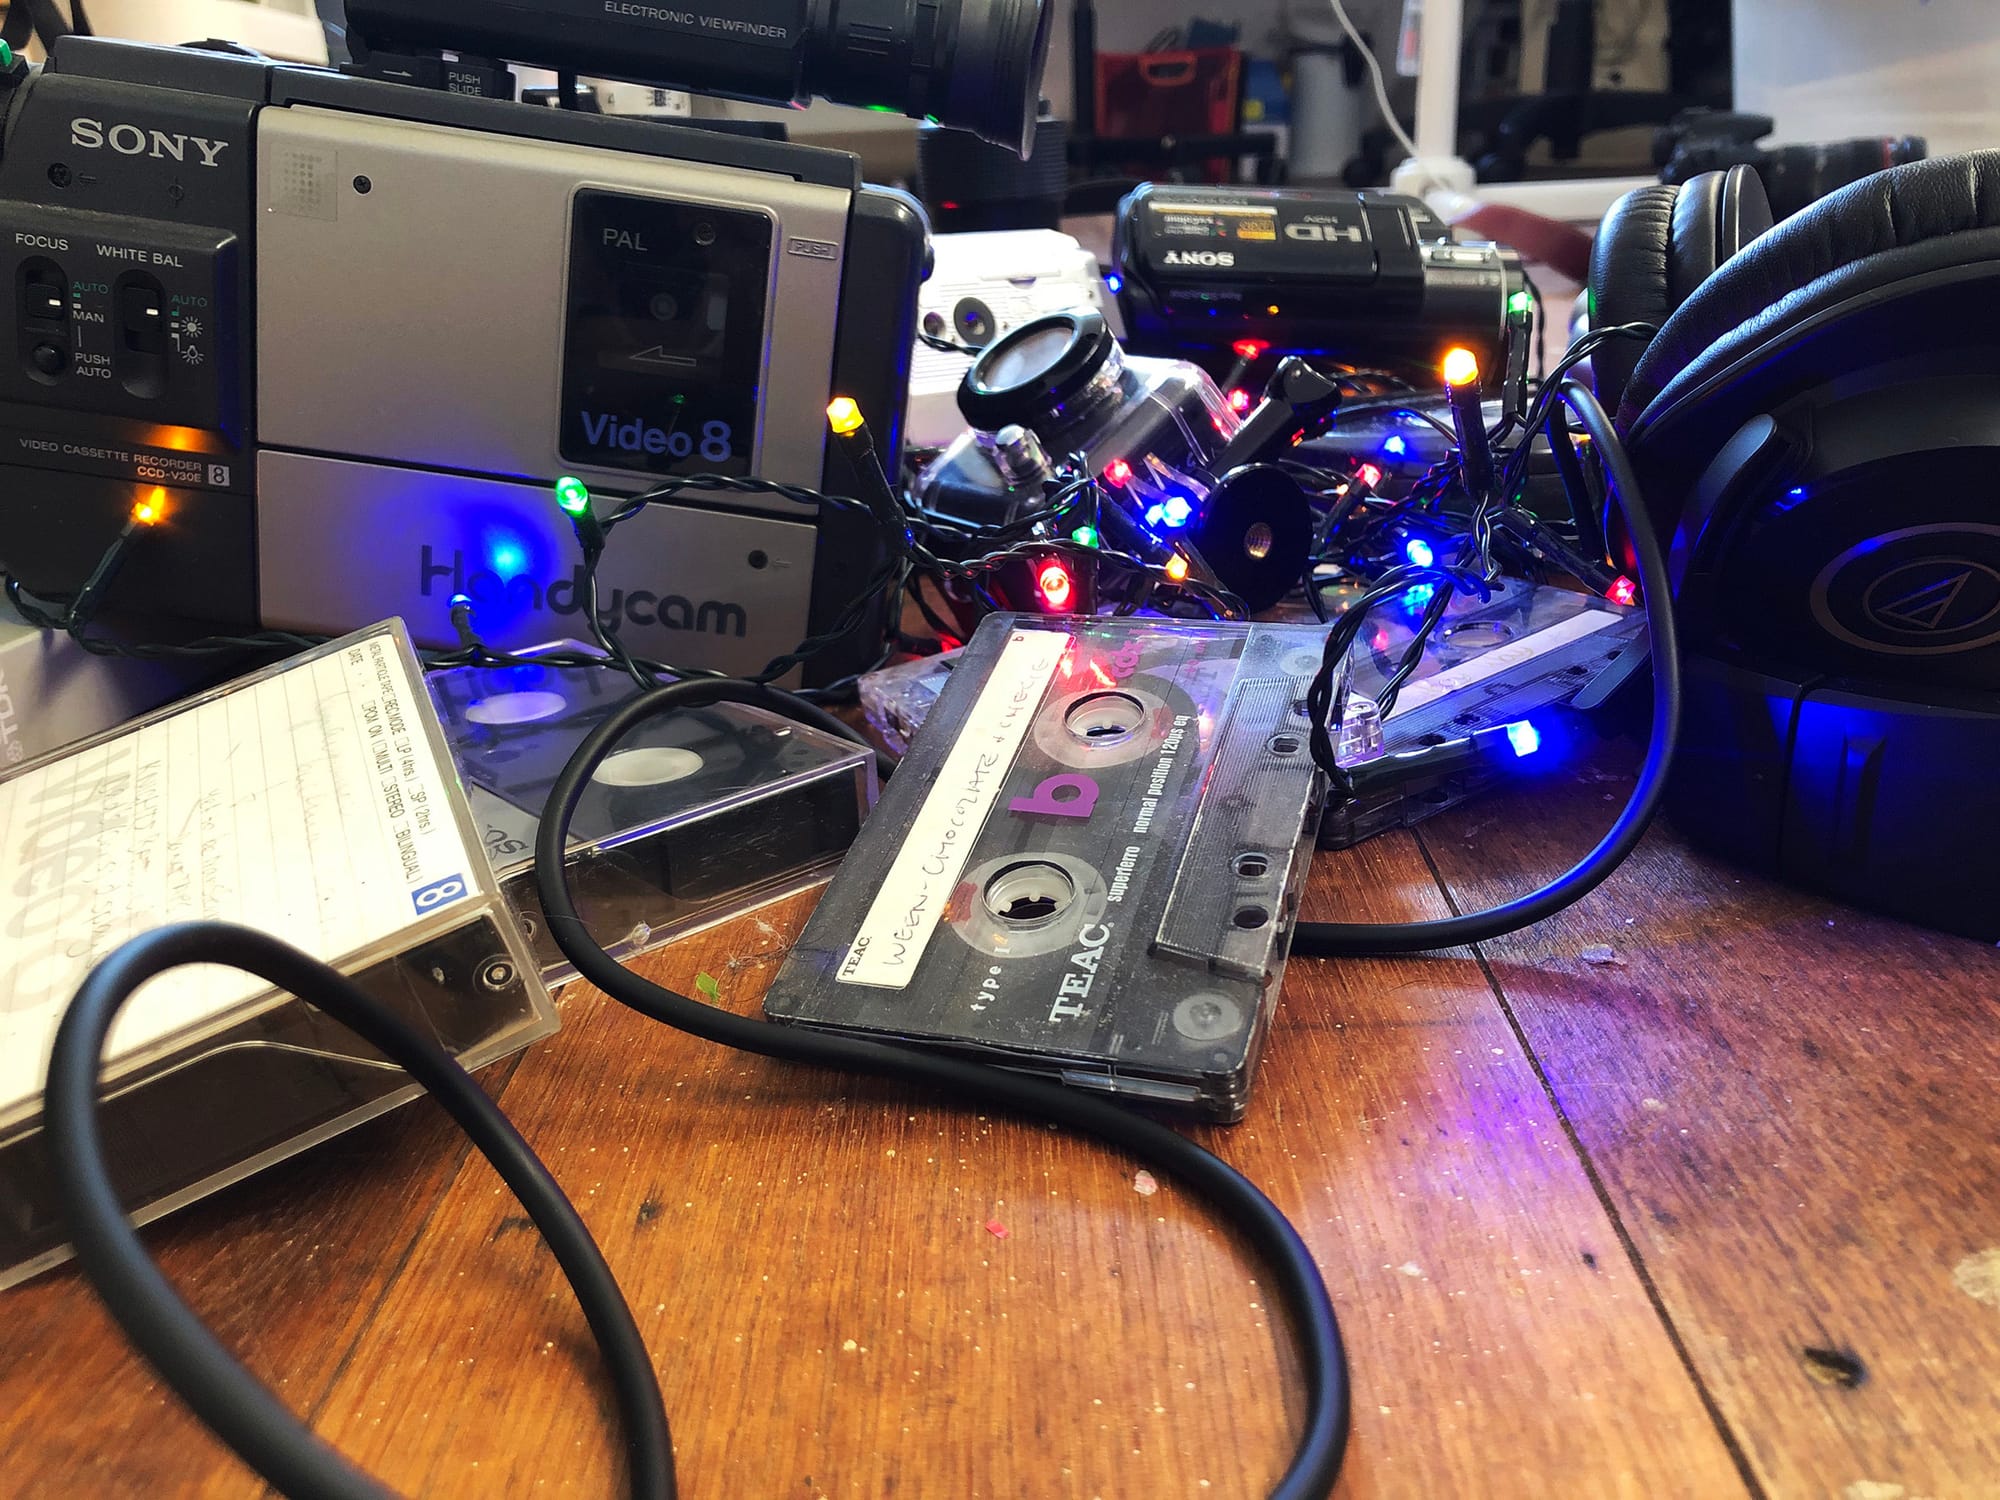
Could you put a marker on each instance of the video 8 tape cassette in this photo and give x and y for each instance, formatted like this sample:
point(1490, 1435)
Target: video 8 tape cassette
point(1089, 863)
point(699, 814)
point(312, 800)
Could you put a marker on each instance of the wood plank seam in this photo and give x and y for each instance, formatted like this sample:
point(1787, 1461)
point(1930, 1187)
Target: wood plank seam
point(1730, 1442)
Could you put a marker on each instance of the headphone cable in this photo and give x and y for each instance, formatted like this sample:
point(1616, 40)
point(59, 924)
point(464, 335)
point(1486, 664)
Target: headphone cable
point(1369, 939)
point(1317, 1457)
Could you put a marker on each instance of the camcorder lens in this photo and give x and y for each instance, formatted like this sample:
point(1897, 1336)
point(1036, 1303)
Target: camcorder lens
point(974, 65)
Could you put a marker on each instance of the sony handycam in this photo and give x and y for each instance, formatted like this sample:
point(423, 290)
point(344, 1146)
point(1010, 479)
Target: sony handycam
point(1368, 279)
point(347, 333)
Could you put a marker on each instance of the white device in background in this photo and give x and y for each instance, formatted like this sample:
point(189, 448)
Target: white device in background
point(981, 286)
point(288, 29)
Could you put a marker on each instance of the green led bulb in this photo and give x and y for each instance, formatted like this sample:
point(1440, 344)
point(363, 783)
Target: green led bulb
point(572, 495)
point(6, 56)
point(1084, 536)
point(1520, 302)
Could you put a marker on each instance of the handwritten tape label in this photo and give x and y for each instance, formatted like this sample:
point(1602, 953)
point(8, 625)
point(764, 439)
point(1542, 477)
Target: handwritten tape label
point(919, 883)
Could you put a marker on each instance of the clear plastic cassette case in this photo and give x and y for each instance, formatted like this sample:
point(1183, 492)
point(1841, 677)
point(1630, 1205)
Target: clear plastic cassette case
point(1089, 863)
point(1490, 662)
point(698, 815)
point(896, 700)
point(314, 800)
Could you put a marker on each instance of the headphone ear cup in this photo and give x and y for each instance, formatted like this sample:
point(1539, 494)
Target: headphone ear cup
point(1716, 215)
point(1628, 280)
point(1746, 211)
point(1891, 226)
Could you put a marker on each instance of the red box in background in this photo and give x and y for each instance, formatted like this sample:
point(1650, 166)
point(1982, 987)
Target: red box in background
point(1194, 91)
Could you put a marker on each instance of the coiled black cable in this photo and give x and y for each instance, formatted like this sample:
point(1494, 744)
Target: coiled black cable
point(1316, 1461)
point(235, 1404)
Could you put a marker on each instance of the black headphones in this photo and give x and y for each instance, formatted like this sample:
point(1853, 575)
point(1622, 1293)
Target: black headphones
point(1816, 428)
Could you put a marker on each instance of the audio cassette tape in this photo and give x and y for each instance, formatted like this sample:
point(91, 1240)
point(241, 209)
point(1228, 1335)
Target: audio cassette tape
point(1526, 649)
point(698, 815)
point(1089, 863)
point(896, 700)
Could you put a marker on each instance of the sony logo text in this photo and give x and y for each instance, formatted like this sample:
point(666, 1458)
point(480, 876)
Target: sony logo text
point(133, 140)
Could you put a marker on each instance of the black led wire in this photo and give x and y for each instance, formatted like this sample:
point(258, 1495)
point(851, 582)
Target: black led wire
point(1354, 939)
point(1443, 582)
point(1316, 1461)
point(947, 346)
point(235, 1405)
point(1413, 654)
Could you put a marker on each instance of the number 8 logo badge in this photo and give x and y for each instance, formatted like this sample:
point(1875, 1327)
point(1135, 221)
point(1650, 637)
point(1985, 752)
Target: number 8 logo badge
point(438, 893)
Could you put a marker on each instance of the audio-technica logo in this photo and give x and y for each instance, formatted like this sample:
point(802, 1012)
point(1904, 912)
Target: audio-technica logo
point(1921, 591)
point(439, 577)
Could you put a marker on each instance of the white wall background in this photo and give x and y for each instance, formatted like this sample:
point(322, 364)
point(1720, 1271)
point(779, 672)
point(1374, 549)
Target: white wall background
point(1832, 69)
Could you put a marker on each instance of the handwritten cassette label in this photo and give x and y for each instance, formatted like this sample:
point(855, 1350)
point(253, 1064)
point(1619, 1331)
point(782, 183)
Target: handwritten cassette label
point(920, 882)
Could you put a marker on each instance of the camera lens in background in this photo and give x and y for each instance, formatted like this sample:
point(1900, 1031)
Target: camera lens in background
point(1795, 176)
point(973, 322)
point(970, 64)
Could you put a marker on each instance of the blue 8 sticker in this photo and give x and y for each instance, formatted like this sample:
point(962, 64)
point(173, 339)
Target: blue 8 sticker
point(438, 893)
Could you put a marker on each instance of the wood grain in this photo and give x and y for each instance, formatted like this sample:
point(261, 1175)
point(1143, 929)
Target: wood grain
point(1794, 1109)
point(1793, 1125)
point(287, 1268)
point(820, 1267)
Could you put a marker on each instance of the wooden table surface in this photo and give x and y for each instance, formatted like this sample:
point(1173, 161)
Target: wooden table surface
point(1720, 1217)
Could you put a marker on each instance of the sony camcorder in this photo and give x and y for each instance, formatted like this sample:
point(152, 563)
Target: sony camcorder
point(1365, 279)
point(342, 335)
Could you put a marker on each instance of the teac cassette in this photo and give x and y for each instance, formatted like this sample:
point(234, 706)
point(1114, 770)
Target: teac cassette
point(1088, 864)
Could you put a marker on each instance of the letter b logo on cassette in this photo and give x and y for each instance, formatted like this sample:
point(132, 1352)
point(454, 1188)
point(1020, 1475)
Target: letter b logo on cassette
point(1922, 591)
point(1064, 796)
